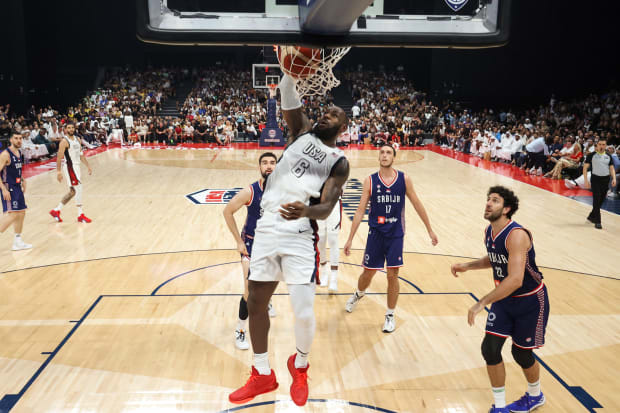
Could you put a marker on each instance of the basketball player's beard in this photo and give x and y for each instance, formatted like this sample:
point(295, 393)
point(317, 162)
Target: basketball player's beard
point(326, 134)
point(494, 216)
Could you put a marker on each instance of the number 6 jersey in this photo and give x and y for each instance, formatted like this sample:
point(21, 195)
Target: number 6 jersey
point(300, 175)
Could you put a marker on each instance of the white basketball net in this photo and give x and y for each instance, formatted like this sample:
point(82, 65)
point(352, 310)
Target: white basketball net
point(323, 78)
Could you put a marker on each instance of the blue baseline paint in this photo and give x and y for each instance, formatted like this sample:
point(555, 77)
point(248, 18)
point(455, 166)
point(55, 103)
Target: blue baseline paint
point(610, 205)
point(9, 400)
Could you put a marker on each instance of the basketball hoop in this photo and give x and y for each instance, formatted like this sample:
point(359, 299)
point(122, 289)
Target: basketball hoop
point(320, 78)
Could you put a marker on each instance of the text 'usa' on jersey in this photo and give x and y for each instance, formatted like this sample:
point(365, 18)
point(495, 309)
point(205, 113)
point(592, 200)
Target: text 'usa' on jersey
point(498, 255)
point(387, 205)
point(299, 175)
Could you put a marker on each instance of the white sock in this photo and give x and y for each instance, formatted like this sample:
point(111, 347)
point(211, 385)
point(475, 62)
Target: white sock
point(359, 293)
point(334, 275)
point(301, 360)
point(533, 389)
point(389, 311)
point(241, 325)
point(261, 363)
point(499, 395)
point(18, 237)
point(80, 210)
point(59, 207)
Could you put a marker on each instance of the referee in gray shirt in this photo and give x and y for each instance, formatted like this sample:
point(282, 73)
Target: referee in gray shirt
point(602, 170)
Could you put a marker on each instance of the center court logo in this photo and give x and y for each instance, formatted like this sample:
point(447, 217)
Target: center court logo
point(213, 196)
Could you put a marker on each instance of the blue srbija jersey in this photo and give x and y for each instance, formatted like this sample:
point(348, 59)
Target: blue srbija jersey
point(498, 255)
point(253, 209)
point(12, 173)
point(387, 205)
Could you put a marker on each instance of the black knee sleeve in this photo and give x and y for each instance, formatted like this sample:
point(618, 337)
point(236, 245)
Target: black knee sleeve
point(523, 357)
point(492, 349)
point(243, 309)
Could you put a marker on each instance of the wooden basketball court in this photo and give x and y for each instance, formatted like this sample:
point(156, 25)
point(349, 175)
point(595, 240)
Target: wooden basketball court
point(136, 311)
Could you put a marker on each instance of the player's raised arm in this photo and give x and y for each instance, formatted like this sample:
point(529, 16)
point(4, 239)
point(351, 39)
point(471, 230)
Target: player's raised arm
point(329, 198)
point(240, 199)
point(359, 215)
point(292, 109)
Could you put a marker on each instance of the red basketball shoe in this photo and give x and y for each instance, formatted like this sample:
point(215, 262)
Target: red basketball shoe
point(256, 384)
point(299, 387)
point(85, 219)
point(56, 215)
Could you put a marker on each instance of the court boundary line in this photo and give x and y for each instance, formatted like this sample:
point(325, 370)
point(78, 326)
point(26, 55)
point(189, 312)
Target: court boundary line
point(10, 400)
point(233, 249)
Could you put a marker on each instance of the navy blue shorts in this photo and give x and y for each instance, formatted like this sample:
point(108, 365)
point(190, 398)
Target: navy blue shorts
point(17, 202)
point(382, 251)
point(523, 318)
point(248, 241)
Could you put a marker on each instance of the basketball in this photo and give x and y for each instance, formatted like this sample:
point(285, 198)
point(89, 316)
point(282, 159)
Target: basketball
point(299, 62)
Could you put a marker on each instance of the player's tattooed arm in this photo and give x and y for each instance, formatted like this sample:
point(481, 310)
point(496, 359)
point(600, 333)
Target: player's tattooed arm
point(329, 198)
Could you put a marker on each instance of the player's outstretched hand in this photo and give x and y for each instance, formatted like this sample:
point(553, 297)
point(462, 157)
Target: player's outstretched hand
point(90, 171)
point(59, 176)
point(6, 195)
point(434, 239)
point(473, 311)
point(456, 268)
point(347, 248)
point(293, 210)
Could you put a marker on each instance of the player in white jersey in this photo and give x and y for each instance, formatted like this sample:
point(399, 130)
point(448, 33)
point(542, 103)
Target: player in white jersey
point(70, 151)
point(305, 186)
point(328, 233)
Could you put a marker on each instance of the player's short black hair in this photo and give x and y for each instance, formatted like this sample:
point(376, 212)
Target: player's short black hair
point(509, 197)
point(389, 146)
point(267, 155)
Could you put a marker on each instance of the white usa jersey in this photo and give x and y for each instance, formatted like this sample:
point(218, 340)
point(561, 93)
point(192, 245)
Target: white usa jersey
point(74, 150)
point(299, 175)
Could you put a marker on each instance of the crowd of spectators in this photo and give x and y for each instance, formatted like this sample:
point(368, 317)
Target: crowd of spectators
point(550, 140)
point(127, 101)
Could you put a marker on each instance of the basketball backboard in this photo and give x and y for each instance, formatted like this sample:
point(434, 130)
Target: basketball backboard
point(265, 74)
point(326, 23)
